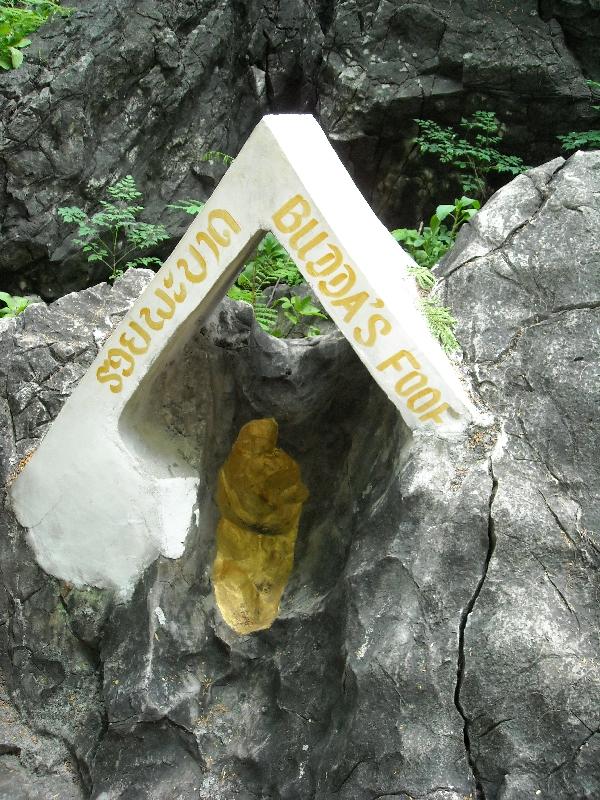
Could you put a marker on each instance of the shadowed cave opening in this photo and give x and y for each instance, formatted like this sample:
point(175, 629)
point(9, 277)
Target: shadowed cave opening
point(334, 421)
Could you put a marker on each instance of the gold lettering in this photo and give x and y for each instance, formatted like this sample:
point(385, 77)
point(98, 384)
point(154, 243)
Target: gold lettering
point(180, 295)
point(435, 414)
point(397, 358)
point(303, 252)
point(310, 245)
point(295, 209)
point(129, 341)
point(435, 398)
point(410, 376)
point(169, 302)
point(201, 236)
point(198, 277)
point(349, 278)
point(115, 358)
point(352, 304)
point(223, 238)
point(335, 256)
point(104, 376)
point(372, 324)
point(151, 323)
point(193, 277)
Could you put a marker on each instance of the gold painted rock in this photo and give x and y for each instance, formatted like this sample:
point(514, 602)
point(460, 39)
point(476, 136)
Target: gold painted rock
point(260, 497)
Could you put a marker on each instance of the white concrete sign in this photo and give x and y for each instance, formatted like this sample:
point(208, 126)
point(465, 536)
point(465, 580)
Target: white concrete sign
point(100, 503)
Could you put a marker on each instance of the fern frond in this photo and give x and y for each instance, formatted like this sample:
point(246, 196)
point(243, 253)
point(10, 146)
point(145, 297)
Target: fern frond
point(423, 276)
point(441, 323)
point(265, 316)
point(124, 189)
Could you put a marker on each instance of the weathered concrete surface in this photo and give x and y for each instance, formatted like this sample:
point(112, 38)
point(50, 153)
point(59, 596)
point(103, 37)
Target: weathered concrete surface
point(439, 634)
point(146, 88)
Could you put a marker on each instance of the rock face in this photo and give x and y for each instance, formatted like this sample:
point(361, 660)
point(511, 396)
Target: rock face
point(138, 87)
point(531, 686)
point(438, 636)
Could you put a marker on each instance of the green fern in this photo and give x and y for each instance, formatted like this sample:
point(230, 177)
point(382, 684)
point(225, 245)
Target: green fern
point(473, 156)
point(441, 322)
point(265, 316)
point(190, 206)
point(581, 140)
point(114, 234)
point(124, 189)
point(584, 140)
point(424, 277)
point(18, 19)
point(270, 266)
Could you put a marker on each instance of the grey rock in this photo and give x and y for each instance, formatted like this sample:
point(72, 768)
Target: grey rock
point(439, 634)
point(580, 22)
point(145, 88)
point(531, 689)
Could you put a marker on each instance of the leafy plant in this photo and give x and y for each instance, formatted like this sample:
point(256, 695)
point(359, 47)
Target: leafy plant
point(296, 309)
point(441, 322)
point(581, 140)
point(13, 304)
point(217, 155)
point(19, 18)
point(190, 206)
point(584, 140)
point(270, 267)
point(427, 245)
point(473, 154)
point(115, 234)
point(266, 315)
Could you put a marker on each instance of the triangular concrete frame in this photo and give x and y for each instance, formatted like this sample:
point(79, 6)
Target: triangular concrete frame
point(98, 510)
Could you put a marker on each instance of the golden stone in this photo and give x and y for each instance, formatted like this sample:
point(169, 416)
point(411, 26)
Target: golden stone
point(260, 497)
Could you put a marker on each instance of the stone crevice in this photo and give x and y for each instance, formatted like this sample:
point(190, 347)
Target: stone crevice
point(350, 773)
point(544, 193)
point(564, 600)
point(460, 672)
point(575, 754)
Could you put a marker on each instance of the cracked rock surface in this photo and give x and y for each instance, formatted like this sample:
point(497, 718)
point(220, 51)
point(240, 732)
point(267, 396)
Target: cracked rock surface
point(439, 635)
point(531, 687)
point(139, 87)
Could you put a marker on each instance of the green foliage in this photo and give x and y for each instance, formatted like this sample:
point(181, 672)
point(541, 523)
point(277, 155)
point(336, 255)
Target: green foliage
point(426, 246)
point(13, 305)
point(584, 140)
point(19, 18)
point(270, 267)
point(190, 206)
point(115, 234)
point(217, 155)
point(441, 322)
point(581, 140)
point(296, 309)
point(474, 154)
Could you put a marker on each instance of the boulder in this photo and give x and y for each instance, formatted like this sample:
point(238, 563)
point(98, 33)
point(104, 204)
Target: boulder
point(438, 636)
point(128, 87)
point(531, 688)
